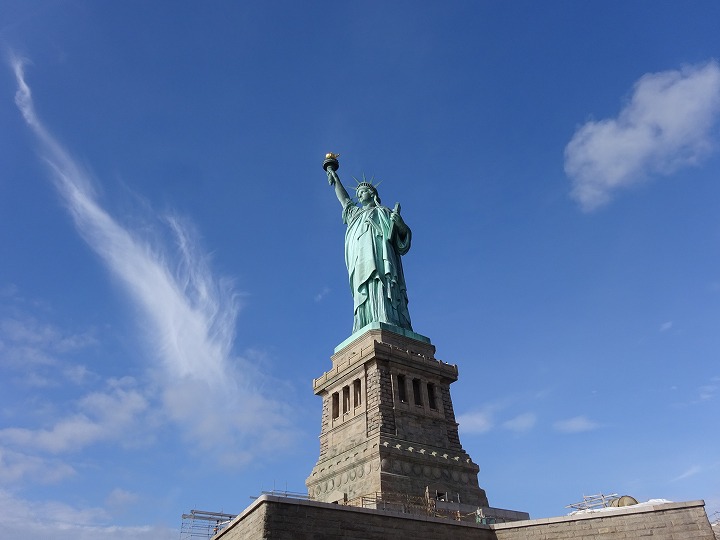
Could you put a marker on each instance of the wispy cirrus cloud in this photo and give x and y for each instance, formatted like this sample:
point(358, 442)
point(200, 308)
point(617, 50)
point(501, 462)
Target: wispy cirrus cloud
point(667, 124)
point(189, 317)
point(691, 471)
point(576, 424)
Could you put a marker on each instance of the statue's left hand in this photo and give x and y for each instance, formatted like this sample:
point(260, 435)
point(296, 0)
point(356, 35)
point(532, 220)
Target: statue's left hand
point(397, 218)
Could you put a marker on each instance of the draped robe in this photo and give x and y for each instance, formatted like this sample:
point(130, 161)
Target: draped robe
point(373, 246)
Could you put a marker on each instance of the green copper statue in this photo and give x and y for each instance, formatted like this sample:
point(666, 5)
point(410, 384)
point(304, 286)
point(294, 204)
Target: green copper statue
point(375, 239)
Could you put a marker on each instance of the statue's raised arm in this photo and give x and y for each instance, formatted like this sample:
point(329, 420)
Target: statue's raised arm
point(375, 239)
point(331, 166)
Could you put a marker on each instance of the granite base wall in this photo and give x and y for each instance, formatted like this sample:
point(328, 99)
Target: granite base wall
point(672, 521)
point(271, 517)
point(278, 518)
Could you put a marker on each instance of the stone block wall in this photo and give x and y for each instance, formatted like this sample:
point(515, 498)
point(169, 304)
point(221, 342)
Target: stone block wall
point(271, 517)
point(452, 430)
point(381, 416)
point(673, 521)
point(279, 518)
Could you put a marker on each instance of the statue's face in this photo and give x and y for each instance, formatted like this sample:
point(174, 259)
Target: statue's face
point(365, 195)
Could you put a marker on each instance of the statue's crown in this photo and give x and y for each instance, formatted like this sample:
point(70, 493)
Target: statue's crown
point(365, 185)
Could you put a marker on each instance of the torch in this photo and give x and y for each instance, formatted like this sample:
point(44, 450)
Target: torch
point(331, 164)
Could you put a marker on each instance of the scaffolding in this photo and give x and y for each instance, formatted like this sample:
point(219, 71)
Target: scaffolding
point(442, 506)
point(284, 493)
point(593, 502)
point(203, 524)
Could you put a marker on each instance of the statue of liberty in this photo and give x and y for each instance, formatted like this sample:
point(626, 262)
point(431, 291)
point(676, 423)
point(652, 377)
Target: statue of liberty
point(375, 239)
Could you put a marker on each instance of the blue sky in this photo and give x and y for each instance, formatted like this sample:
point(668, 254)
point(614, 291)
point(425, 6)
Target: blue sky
point(172, 274)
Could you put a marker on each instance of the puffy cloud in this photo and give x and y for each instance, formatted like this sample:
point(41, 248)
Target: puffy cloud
point(667, 124)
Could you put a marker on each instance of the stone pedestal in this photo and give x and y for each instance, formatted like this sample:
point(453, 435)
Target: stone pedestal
point(388, 425)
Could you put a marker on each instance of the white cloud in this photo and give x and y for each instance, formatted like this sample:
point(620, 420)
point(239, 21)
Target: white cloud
point(35, 353)
point(522, 422)
point(664, 327)
point(189, 322)
point(120, 499)
point(707, 391)
point(18, 468)
point(476, 422)
point(24, 342)
point(39, 352)
point(577, 424)
point(485, 418)
point(22, 519)
point(100, 417)
point(666, 125)
point(77, 374)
